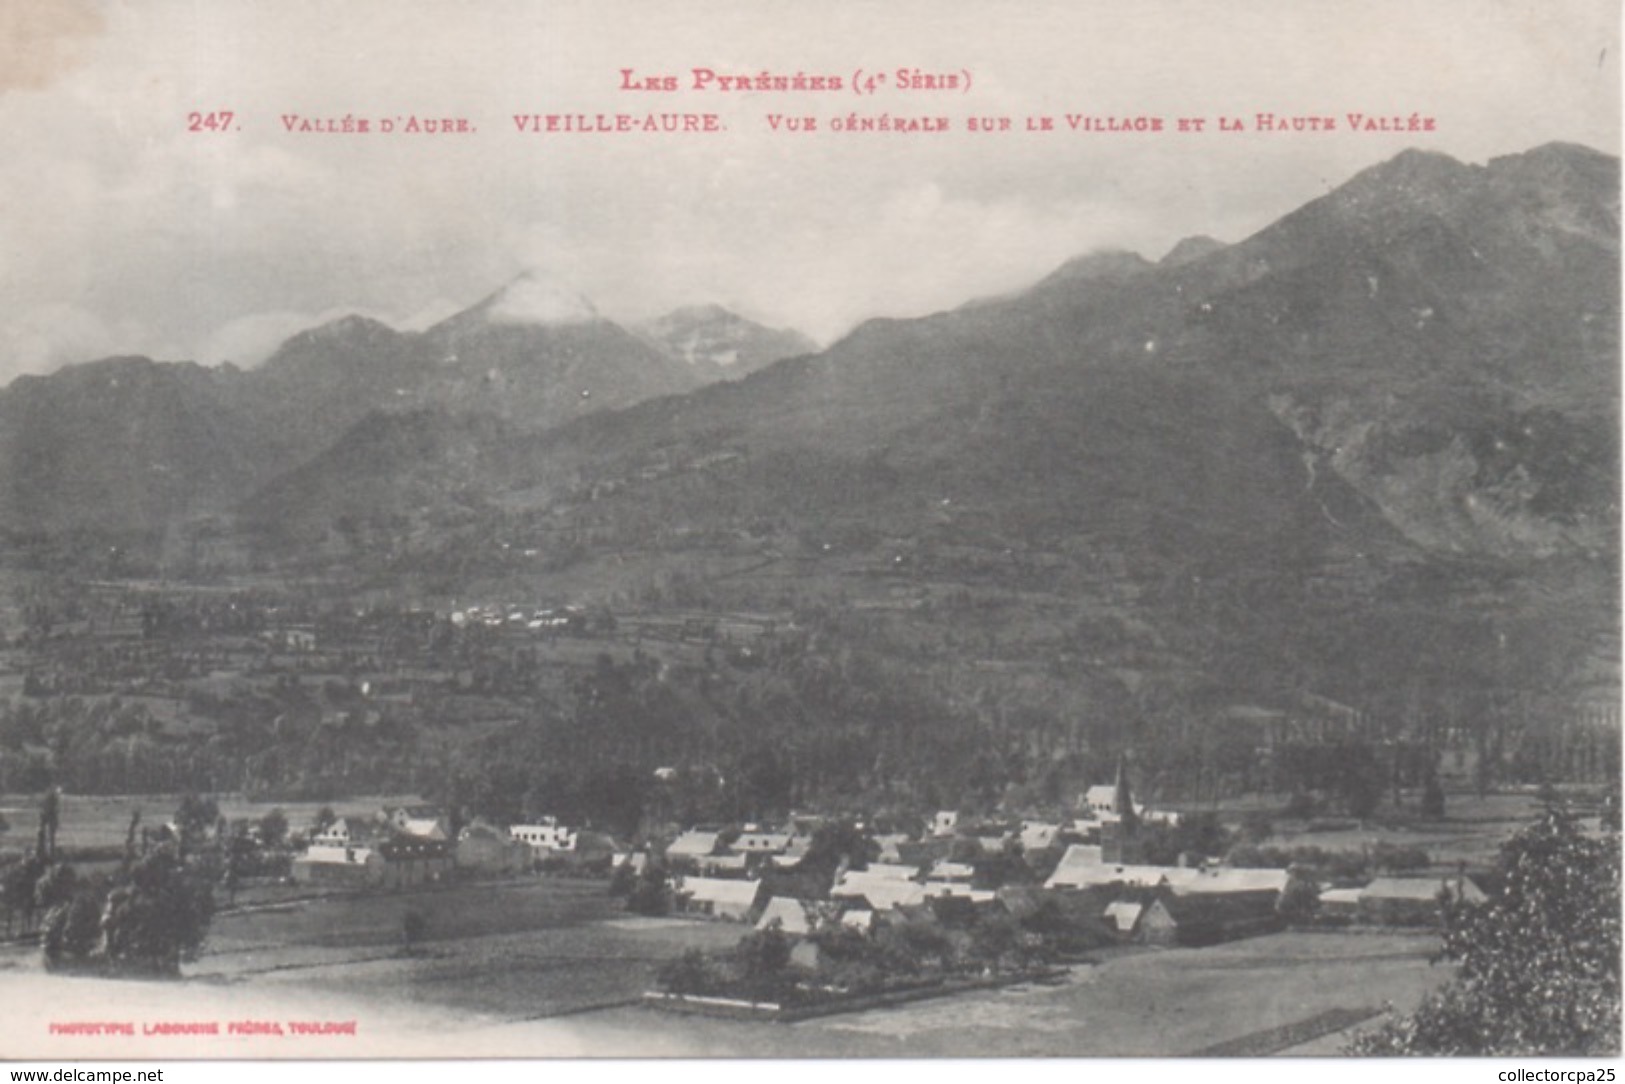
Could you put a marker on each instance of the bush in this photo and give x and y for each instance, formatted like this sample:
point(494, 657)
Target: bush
point(762, 961)
point(690, 973)
point(1397, 859)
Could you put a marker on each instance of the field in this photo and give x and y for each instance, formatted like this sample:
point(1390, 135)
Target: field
point(561, 986)
point(1471, 831)
point(91, 821)
point(514, 950)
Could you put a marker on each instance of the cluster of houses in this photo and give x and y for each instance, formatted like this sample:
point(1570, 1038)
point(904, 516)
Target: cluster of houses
point(1096, 884)
point(731, 874)
point(398, 848)
point(562, 618)
point(1117, 902)
point(403, 846)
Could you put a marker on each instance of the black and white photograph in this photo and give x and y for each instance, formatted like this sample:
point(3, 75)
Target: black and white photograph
point(868, 530)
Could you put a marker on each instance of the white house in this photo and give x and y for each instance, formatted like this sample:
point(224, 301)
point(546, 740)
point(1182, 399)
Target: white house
point(546, 835)
point(717, 898)
point(1101, 798)
point(762, 842)
point(419, 821)
point(791, 915)
point(694, 843)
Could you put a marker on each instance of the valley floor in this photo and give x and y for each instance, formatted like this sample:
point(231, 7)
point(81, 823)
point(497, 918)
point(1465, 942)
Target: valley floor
point(550, 968)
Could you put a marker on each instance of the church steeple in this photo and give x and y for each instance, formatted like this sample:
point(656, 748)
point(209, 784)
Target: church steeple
point(1123, 801)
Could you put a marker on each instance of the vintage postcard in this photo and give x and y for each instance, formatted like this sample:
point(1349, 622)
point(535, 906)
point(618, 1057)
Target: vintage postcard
point(548, 528)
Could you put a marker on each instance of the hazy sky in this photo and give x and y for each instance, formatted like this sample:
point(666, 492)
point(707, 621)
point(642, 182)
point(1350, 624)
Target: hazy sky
point(123, 232)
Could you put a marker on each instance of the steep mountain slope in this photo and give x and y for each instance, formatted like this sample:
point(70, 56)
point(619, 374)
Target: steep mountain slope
point(126, 443)
point(322, 381)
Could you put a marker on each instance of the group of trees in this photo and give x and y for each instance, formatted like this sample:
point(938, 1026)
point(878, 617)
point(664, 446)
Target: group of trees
point(144, 917)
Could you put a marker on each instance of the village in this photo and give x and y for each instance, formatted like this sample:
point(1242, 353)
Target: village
point(539, 808)
point(978, 898)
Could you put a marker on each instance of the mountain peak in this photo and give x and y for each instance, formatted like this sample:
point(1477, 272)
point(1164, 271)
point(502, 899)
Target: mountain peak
point(353, 324)
point(1412, 172)
point(536, 297)
point(1189, 250)
point(1107, 264)
point(696, 313)
point(709, 334)
point(1559, 151)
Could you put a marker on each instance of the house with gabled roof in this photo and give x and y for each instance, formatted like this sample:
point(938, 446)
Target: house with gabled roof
point(1208, 918)
point(761, 842)
point(1081, 867)
point(714, 897)
point(878, 893)
point(795, 917)
point(422, 821)
point(695, 843)
point(1230, 879)
point(1413, 901)
point(1142, 918)
point(1038, 836)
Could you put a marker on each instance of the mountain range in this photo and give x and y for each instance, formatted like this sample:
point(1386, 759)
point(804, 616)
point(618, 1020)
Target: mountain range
point(1365, 442)
point(127, 444)
point(1433, 344)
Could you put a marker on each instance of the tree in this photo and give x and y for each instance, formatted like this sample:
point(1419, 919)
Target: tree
point(834, 842)
point(324, 819)
point(651, 895)
point(50, 818)
point(414, 927)
point(761, 959)
point(193, 819)
point(1200, 833)
point(273, 828)
point(131, 835)
point(158, 917)
point(1360, 779)
point(17, 888)
point(1540, 964)
point(1299, 900)
point(56, 886)
point(1432, 795)
point(73, 929)
point(1256, 827)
